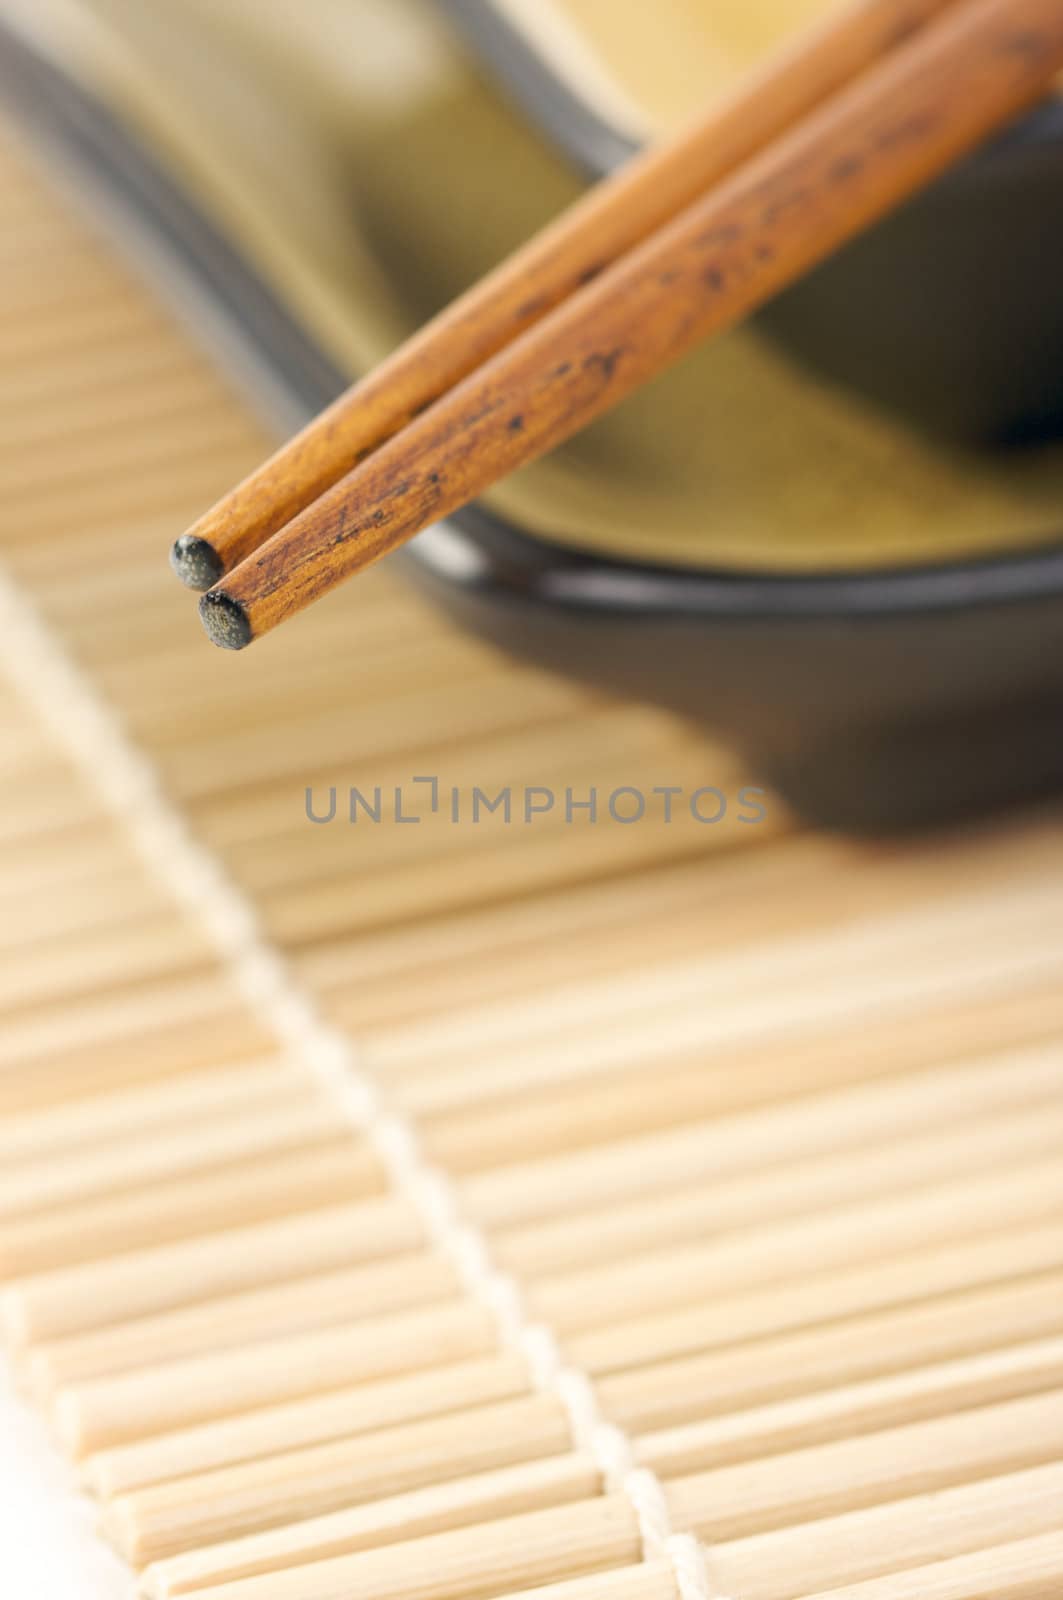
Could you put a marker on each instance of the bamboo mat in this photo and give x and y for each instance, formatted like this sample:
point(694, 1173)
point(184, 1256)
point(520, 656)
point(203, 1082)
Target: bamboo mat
point(441, 1212)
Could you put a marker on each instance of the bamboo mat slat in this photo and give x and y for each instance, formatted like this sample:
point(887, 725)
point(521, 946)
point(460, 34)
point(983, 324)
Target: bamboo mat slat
point(649, 1213)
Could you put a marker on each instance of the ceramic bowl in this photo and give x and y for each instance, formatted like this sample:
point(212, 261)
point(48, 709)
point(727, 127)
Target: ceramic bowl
point(872, 699)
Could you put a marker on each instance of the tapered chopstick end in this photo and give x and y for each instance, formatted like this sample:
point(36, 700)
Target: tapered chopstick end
point(225, 620)
point(196, 563)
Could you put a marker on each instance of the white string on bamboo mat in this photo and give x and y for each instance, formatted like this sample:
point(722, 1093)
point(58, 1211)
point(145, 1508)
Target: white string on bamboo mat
point(90, 731)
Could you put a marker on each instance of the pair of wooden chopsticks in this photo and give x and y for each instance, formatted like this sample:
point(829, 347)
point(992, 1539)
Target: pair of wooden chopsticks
point(680, 245)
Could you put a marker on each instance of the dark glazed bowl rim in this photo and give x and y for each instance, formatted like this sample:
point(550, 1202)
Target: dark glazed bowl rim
point(290, 377)
point(478, 551)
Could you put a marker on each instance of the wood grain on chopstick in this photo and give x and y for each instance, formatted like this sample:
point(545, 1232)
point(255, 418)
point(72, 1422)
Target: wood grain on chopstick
point(613, 217)
point(862, 153)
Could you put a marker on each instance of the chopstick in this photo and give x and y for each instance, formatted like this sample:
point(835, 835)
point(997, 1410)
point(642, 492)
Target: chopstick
point(868, 148)
point(600, 227)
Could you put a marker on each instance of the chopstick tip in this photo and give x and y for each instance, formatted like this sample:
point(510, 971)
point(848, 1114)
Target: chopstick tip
point(225, 620)
point(195, 562)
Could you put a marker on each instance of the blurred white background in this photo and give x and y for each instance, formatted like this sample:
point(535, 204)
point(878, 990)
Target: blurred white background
point(48, 1546)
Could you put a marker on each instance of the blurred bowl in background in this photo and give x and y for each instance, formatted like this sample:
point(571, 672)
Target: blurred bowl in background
point(950, 311)
point(871, 618)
